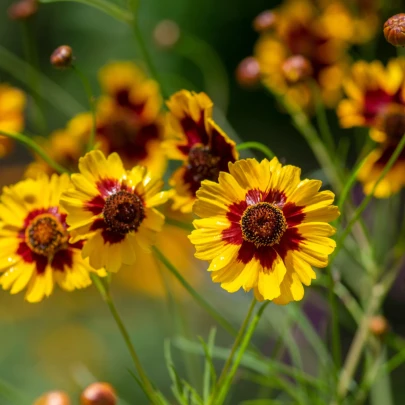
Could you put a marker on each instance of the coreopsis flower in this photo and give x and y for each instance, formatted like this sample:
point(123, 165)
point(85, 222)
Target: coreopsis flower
point(263, 228)
point(62, 57)
point(303, 30)
point(112, 209)
point(12, 103)
point(371, 89)
point(194, 138)
point(128, 121)
point(53, 398)
point(99, 393)
point(36, 252)
point(394, 30)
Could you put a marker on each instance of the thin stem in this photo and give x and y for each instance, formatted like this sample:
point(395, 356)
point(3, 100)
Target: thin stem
point(366, 200)
point(224, 389)
point(235, 347)
point(91, 100)
point(144, 51)
point(105, 293)
point(258, 146)
point(29, 143)
point(201, 301)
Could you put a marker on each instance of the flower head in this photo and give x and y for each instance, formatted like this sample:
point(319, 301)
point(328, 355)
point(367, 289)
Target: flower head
point(53, 398)
point(62, 57)
point(36, 252)
point(112, 209)
point(194, 138)
point(12, 103)
point(263, 228)
point(394, 30)
point(99, 393)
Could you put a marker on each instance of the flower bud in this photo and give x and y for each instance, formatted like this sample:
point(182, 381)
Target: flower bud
point(99, 394)
point(53, 398)
point(394, 30)
point(23, 9)
point(378, 325)
point(62, 57)
point(248, 72)
point(264, 21)
point(296, 68)
point(166, 33)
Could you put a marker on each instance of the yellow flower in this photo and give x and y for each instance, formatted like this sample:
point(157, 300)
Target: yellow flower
point(128, 121)
point(194, 138)
point(372, 89)
point(12, 103)
point(303, 29)
point(35, 249)
point(393, 181)
point(112, 209)
point(263, 228)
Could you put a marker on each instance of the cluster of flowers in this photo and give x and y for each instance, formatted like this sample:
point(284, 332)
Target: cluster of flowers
point(303, 49)
point(261, 227)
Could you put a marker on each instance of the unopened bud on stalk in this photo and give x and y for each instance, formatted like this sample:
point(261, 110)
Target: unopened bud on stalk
point(394, 30)
point(62, 57)
point(297, 68)
point(166, 33)
point(378, 325)
point(53, 398)
point(99, 394)
point(248, 72)
point(23, 9)
point(264, 21)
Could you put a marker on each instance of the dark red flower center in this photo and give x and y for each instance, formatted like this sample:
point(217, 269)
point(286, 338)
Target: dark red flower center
point(45, 235)
point(202, 164)
point(263, 224)
point(123, 212)
point(394, 126)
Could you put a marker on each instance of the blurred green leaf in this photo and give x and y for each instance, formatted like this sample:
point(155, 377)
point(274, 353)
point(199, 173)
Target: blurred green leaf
point(210, 375)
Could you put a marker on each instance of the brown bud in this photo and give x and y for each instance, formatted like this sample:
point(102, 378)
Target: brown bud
point(53, 398)
point(378, 325)
point(23, 9)
point(62, 57)
point(166, 33)
point(99, 394)
point(394, 30)
point(264, 21)
point(296, 68)
point(248, 72)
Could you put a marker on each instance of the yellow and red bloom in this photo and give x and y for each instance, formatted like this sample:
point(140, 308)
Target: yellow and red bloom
point(112, 210)
point(372, 89)
point(263, 228)
point(128, 121)
point(194, 138)
point(12, 103)
point(35, 249)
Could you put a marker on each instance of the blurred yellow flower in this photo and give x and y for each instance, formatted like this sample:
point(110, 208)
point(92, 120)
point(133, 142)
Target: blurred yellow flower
point(263, 228)
point(35, 250)
point(128, 121)
point(194, 138)
point(112, 209)
point(12, 103)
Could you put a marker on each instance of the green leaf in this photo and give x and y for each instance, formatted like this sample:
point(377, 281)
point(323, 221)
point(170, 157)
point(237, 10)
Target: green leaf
point(210, 375)
point(177, 387)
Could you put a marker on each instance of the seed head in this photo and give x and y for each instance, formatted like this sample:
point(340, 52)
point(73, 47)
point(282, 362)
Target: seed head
point(264, 21)
point(166, 33)
point(296, 68)
point(53, 398)
point(62, 57)
point(248, 72)
point(394, 30)
point(378, 325)
point(23, 9)
point(99, 393)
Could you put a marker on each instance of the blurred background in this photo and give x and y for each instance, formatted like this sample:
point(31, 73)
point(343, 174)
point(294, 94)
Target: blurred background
point(70, 340)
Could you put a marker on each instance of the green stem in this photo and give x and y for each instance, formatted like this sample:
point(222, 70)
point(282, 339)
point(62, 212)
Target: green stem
point(224, 388)
point(29, 143)
point(235, 347)
point(366, 200)
point(91, 100)
point(144, 51)
point(102, 287)
point(201, 301)
point(258, 146)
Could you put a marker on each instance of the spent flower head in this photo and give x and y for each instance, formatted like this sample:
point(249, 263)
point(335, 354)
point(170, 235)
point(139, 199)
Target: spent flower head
point(394, 30)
